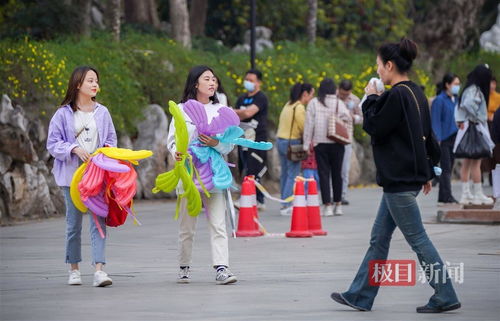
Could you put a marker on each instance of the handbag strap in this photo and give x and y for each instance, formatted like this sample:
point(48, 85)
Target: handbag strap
point(418, 109)
point(291, 126)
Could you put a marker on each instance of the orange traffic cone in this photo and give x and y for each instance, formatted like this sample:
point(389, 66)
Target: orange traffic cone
point(300, 224)
point(313, 211)
point(246, 223)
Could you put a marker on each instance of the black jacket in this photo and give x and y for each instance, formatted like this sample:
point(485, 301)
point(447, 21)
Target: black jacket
point(400, 138)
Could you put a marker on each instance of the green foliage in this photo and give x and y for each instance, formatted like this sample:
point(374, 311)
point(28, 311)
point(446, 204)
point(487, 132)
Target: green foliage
point(347, 23)
point(43, 19)
point(363, 23)
point(146, 68)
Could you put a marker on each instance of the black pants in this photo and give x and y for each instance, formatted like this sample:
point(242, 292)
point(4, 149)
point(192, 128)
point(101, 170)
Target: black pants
point(329, 158)
point(253, 162)
point(446, 163)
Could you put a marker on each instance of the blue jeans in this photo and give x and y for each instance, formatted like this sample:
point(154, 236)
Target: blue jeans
point(289, 169)
point(401, 210)
point(74, 232)
point(310, 173)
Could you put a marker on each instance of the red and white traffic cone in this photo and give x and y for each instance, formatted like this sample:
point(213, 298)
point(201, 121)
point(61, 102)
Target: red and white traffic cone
point(313, 210)
point(300, 224)
point(247, 227)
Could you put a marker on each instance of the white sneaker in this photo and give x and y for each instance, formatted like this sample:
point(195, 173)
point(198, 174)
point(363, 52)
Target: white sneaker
point(466, 197)
point(101, 279)
point(184, 276)
point(286, 211)
point(479, 197)
point(261, 206)
point(224, 276)
point(74, 278)
point(338, 210)
point(328, 210)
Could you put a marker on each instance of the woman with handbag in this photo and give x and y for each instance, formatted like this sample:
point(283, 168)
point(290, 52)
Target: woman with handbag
point(404, 151)
point(290, 128)
point(329, 153)
point(473, 139)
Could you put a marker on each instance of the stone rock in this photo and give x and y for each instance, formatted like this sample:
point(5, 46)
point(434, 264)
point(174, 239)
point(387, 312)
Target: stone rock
point(364, 155)
point(97, 17)
point(27, 192)
point(262, 40)
point(5, 163)
point(490, 39)
point(152, 135)
point(355, 169)
point(27, 188)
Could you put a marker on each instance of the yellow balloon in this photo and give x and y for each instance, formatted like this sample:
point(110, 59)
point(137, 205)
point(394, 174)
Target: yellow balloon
point(124, 153)
point(74, 191)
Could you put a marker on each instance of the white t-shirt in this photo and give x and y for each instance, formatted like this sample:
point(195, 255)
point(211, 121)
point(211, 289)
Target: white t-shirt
point(86, 129)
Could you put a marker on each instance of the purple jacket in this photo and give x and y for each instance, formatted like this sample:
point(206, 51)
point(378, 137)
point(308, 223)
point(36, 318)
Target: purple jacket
point(61, 140)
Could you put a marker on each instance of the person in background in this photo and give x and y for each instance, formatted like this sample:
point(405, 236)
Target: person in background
point(494, 100)
point(445, 129)
point(488, 164)
point(398, 121)
point(78, 128)
point(290, 130)
point(221, 93)
point(352, 102)
point(329, 154)
point(252, 108)
point(472, 108)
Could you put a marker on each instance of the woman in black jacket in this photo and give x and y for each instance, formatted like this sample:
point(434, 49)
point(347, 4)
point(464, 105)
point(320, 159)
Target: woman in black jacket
point(404, 150)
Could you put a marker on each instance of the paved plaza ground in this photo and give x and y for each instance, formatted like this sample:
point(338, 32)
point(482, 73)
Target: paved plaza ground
point(278, 278)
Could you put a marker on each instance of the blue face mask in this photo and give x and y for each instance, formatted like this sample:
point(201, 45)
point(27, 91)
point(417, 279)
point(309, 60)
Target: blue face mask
point(455, 89)
point(250, 86)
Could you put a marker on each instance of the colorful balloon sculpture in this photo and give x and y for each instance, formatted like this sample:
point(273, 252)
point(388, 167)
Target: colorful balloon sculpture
point(106, 184)
point(203, 166)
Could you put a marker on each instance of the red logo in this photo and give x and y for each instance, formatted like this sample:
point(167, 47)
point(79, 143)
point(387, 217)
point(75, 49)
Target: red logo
point(392, 272)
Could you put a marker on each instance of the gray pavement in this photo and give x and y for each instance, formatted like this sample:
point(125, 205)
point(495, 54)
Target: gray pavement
point(278, 278)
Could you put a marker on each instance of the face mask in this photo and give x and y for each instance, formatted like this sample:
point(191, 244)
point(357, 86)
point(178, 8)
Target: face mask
point(350, 104)
point(250, 86)
point(455, 89)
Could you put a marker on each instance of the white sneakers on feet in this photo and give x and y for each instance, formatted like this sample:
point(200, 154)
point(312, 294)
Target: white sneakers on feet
point(224, 276)
point(328, 210)
point(338, 210)
point(75, 278)
point(101, 279)
point(479, 197)
point(286, 211)
point(261, 206)
point(184, 275)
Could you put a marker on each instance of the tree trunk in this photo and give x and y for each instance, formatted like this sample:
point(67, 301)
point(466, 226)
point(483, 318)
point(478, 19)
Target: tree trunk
point(84, 22)
point(142, 12)
point(198, 17)
point(442, 37)
point(179, 19)
point(115, 15)
point(311, 20)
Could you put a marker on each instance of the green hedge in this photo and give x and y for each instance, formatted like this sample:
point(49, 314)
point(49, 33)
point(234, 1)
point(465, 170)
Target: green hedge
point(145, 68)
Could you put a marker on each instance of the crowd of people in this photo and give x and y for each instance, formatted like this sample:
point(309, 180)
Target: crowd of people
point(409, 140)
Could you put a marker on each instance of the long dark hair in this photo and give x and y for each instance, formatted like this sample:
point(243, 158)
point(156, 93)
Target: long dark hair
point(191, 82)
point(481, 77)
point(75, 81)
point(297, 91)
point(221, 90)
point(447, 79)
point(401, 54)
point(326, 87)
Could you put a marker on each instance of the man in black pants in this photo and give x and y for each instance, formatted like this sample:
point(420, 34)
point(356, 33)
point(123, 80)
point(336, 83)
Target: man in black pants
point(252, 110)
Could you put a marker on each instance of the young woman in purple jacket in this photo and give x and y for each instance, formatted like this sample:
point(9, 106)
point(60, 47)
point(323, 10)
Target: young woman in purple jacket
point(79, 127)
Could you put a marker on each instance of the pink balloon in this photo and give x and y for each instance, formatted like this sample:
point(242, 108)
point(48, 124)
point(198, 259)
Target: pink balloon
point(97, 205)
point(109, 164)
